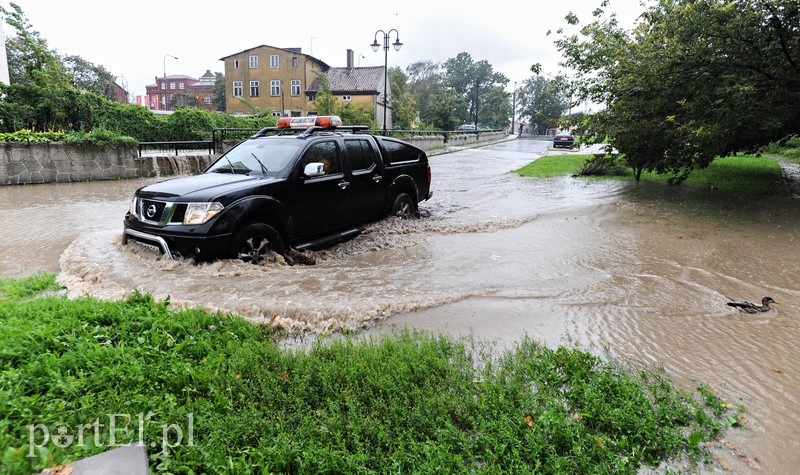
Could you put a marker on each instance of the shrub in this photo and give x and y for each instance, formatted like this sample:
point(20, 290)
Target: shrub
point(604, 164)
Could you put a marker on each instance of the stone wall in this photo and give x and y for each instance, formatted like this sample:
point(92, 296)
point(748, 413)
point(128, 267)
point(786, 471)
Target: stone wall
point(23, 163)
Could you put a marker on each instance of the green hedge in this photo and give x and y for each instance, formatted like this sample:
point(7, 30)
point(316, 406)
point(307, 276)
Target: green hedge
point(33, 114)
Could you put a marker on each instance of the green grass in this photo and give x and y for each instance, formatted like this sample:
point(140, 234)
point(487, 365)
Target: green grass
point(790, 149)
point(741, 174)
point(410, 402)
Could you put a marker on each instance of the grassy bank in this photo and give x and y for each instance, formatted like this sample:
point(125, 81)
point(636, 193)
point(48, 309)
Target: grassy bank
point(212, 393)
point(738, 174)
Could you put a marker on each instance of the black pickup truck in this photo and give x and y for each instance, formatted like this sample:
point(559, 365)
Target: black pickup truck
point(279, 190)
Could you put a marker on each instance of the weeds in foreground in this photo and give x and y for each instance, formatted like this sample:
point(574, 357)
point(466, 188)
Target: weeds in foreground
point(405, 402)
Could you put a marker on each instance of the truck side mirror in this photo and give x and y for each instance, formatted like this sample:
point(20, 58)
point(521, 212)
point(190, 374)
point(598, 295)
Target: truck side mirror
point(314, 169)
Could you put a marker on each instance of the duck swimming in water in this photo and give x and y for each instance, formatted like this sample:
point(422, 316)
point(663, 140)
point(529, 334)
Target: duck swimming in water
point(749, 307)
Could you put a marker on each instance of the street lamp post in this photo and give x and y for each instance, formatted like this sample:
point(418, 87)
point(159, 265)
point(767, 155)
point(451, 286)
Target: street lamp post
point(375, 46)
point(513, 108)
point(165, 78)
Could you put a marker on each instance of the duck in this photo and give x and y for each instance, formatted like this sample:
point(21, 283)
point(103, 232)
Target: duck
point(749, 307)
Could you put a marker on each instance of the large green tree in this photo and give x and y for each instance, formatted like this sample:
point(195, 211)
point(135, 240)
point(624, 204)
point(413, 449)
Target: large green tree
point(446, 108)
point(219, 100)
point(424, 80)
point(30, 61)
point(403, 104)
point(691, 81)
point(471, 79)
point(87, 76)
point(495, 109)
point(541, 103)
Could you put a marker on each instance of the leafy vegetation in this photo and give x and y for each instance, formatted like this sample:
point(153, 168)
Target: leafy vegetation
point(405, 402)
point(735, 174)
point(691, 82)
point(788, 149)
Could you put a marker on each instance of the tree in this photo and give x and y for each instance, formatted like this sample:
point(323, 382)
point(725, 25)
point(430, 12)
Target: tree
point(403, 103)
point(540, 102)
point(87, 76)
point(30, 61)
point(472, 80)
point(356, 114)
point(446, 109)
point(324, 102)
point(183, 100)
point(495, 107)
point(693, 80)
point(219, 100)
point(424, 79)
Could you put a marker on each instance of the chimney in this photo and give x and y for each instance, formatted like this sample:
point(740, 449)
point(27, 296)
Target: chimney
point(350, 58)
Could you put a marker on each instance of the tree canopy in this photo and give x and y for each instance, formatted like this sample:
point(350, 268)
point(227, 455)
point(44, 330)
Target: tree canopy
point(541, 102)
point(691, 81)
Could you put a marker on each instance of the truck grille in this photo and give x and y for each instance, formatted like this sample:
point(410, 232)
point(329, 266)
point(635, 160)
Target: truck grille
point(161, 212)
point(152, 210)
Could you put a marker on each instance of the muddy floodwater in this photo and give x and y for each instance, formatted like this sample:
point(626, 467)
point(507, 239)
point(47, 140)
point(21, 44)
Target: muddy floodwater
point(641, 271)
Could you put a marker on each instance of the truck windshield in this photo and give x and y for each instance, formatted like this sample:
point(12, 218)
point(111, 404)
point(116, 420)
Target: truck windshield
point(254, 156)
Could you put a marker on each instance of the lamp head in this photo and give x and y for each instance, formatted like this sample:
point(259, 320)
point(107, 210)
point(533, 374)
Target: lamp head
point(375, 45)
point(397, 44)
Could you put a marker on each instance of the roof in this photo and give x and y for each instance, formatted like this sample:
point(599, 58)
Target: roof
point(288, 50)
point(352, 80)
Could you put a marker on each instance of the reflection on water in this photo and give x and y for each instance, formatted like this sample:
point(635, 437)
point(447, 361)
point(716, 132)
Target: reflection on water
point(644, 271)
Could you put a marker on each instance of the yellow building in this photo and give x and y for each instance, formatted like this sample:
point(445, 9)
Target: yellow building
point(281, 79)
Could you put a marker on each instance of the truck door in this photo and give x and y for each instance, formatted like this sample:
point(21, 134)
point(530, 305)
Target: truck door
point(319, 205)
point(367, 186)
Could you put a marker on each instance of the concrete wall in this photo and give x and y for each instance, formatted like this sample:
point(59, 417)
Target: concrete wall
point(24, 163)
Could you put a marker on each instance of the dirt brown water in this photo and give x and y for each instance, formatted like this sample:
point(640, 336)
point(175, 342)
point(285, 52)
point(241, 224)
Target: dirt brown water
point(642, 271)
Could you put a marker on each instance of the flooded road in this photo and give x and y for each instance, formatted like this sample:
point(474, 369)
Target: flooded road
point(643, 271)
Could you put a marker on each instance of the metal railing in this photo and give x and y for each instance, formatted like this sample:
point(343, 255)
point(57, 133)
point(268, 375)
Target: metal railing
point(176, 148)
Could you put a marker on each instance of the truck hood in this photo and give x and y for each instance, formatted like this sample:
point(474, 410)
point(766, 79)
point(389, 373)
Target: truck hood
point(203, 187)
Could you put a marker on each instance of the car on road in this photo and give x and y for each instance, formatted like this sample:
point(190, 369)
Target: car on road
point(306, 183)
point(563, 138)
point(466, 128)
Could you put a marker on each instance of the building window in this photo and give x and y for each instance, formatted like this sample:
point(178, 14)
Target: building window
point(294, 62)
point(253, 62)
point(312, 97)
point(255, 89)
point(295, 87)
point(207, 99)
point(163, 86)
point(181, 86)
point(347, 98)
point(237, 88)
point(172, 85)
point(277, 114)
point(273, 61)
point(235, 64)
point(275, 87)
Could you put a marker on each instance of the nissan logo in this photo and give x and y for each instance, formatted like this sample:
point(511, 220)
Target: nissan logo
point(151, 211)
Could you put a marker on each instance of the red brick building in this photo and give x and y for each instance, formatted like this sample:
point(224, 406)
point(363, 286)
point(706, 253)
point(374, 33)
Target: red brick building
point(180, 90)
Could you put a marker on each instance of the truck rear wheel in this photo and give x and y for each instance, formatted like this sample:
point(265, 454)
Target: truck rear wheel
point(255, 241)
point(404, 207)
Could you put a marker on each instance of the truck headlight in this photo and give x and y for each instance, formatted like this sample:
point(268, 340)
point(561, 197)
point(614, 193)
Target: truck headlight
point(133, 206)
point(199, 213)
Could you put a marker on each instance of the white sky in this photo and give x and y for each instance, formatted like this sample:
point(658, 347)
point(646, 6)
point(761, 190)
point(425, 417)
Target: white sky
point(131, 39)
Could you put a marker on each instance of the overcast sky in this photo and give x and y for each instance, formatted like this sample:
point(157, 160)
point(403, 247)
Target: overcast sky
point(131, 39)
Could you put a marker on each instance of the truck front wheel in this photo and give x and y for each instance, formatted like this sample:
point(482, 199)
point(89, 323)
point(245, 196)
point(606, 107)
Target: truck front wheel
point(255, 241)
